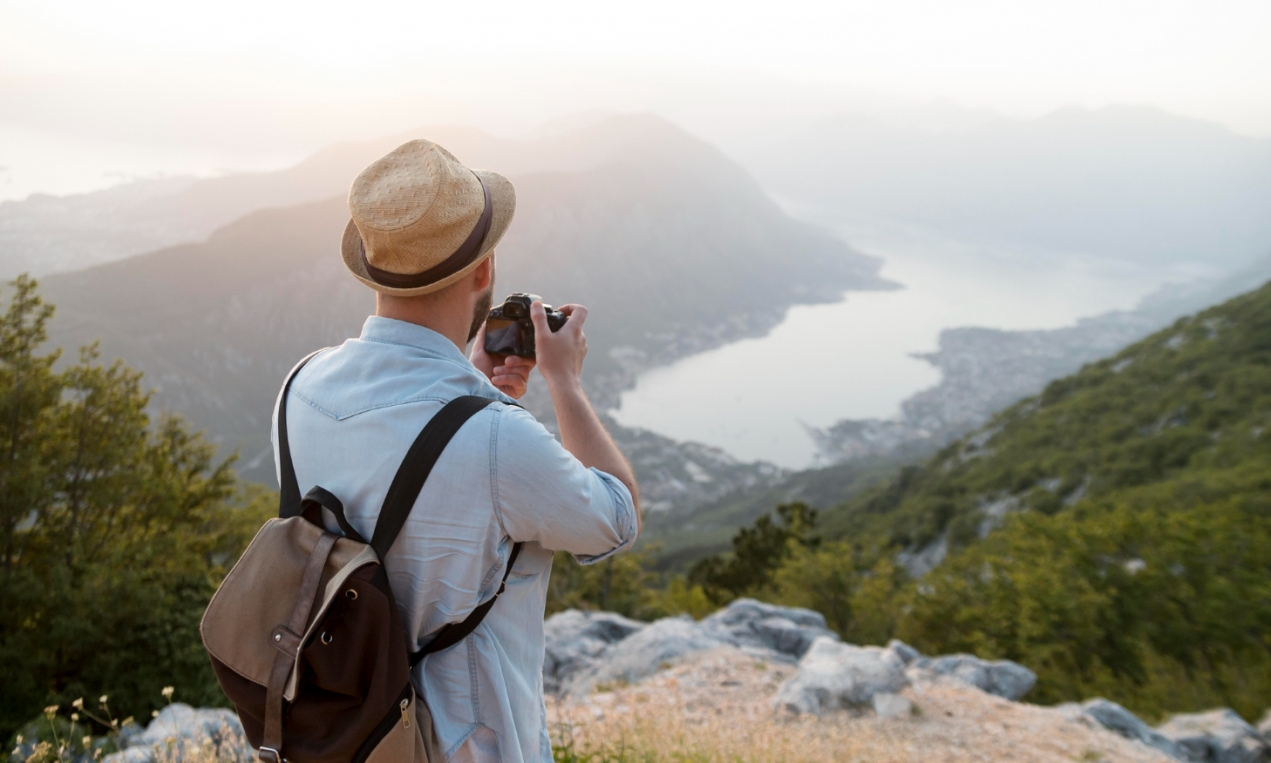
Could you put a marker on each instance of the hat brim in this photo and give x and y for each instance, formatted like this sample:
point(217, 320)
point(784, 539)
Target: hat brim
point(502, 198)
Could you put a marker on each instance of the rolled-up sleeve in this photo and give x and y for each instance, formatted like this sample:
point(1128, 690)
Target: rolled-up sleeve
point(543, 494)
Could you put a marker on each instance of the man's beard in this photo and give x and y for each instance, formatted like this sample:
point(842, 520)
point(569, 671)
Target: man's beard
point(480, 311)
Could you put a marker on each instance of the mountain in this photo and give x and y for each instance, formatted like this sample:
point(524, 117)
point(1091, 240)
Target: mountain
point(1177, 418)
point(48, 234)
point(1130, 184)
point(674, 247)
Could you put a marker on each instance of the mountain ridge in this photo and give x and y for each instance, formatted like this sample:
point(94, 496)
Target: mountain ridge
point(216, 324)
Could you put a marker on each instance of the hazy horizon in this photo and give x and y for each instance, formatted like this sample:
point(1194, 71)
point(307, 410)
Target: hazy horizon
point(91, 96)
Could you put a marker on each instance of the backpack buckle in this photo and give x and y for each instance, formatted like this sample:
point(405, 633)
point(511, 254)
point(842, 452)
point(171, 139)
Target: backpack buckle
point(270, 755)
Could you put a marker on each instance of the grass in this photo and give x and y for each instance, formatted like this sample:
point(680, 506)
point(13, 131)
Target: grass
point(651, 733)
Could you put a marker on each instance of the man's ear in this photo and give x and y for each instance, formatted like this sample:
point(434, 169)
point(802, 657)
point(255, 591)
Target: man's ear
point(484, 273)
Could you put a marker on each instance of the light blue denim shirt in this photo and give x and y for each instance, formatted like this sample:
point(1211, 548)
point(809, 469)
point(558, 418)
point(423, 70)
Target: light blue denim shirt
point(352, 413)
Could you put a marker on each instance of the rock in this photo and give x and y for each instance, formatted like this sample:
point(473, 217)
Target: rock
point(903, 652)
point(1000, 677)
point(573, 640)
point(586, 649)
point(834, 675)
point(179, 730)
point(1264, 727)
point(1115, 718)
point(892, 706)
point(643, 653)
point(1220, 736)
point(788, 631)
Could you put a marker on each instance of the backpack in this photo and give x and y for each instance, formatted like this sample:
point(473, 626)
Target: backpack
point(304, 635)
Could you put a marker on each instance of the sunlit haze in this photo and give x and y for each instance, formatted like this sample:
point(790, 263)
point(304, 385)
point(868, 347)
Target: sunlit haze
point(91, 93)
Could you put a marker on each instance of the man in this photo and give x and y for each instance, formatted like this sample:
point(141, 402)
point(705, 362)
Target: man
point(422, 235)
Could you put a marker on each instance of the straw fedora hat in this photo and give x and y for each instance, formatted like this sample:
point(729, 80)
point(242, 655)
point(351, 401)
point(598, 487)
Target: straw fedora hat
point(421, 220)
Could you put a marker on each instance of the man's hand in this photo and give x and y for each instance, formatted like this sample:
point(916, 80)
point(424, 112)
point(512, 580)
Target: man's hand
point(509, 373)
point(560, 354)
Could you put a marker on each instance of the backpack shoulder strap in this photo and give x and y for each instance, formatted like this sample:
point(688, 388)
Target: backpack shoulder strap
point(452, 633)
point(404, 491)
point(418, 464)
point(289, 490)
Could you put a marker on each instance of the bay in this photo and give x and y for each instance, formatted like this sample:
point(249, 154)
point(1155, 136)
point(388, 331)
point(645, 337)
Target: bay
point(854, 359)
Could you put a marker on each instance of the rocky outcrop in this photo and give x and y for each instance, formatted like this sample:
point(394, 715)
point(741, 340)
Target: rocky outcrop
point(834, 676)
point(837, 676)
point(788, 631)
point(575, 640)
point(1000, 677)
point(586, 650)
point(1115, 718)
point(643, 653)
point(178, 730)
point(1218, 736)
point(749, 657)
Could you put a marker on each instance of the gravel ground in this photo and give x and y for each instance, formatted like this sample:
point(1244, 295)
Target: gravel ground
point(717, 706)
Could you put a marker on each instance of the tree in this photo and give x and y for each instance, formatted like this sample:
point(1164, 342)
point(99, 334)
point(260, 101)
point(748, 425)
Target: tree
point(757, 552)
point(115, 530)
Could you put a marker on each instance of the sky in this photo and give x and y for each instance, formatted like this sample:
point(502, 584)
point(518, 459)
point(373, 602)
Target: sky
point(93, 93)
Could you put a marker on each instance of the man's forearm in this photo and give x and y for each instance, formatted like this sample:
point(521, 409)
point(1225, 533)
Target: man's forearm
point(583, 435)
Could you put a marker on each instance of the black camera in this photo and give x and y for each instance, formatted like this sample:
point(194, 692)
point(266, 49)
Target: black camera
point(509, 330)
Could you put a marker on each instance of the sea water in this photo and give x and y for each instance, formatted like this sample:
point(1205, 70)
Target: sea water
point(853, 359)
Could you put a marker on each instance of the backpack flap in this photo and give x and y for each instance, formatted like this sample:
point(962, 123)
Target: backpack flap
point(241, 628)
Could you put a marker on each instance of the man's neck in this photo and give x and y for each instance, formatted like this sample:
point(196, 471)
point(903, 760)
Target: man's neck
point(447, 320)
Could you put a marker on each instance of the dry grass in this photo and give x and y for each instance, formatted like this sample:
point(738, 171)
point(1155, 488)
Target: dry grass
point(717, 708)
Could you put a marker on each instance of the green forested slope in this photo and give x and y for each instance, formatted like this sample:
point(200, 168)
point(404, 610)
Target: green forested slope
point(1189, 405)
point(1112, 533)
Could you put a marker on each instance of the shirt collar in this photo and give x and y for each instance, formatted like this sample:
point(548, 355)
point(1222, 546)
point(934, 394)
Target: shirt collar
point(392, 331)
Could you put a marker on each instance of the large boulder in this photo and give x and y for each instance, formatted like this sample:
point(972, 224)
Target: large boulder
point(1116, 718)
point(643, 653)
point(1000, 677)
point(589, 649)
point(833, 675)
point(573, 640)
point(788, 631)
point(1218, 736)
point(179, 730)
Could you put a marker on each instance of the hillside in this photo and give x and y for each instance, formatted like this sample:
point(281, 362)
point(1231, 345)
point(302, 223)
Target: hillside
point(673, 247)
point(677, 539)
point(1182, 413)
point(1115, 184)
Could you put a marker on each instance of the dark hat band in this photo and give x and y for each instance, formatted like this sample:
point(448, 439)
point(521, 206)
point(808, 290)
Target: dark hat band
point(464, 256)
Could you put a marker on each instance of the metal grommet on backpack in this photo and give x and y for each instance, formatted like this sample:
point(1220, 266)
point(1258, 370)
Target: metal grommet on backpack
point(304, 634)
